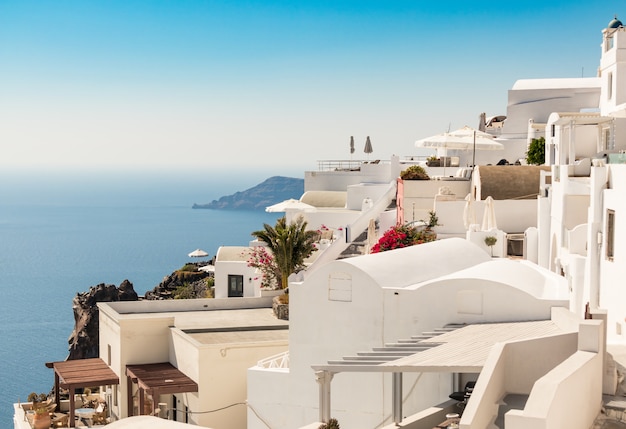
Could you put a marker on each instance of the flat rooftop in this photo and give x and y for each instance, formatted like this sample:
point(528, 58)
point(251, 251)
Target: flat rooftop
point(215, 315)
point(238, 337)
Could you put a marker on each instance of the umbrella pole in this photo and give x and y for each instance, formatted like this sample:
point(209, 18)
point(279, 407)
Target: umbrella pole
point(474, 151)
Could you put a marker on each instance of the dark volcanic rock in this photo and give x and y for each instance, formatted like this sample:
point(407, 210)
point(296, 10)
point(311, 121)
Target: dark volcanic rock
point(83, 343)
point(271, 191)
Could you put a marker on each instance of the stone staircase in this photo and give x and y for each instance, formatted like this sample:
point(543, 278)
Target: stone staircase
point(395, 350)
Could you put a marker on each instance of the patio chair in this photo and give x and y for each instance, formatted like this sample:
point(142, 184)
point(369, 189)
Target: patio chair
point(59, 420)
point(100, 415)
point(463, 396)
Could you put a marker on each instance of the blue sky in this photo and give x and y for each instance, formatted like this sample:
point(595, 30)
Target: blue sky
point(277, 85)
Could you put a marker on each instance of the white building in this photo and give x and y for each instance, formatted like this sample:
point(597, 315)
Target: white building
point(208, 341)
point(484, 319)
point(369, 301)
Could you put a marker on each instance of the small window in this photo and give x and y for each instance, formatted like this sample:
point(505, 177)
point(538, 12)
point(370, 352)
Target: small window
point(610, 234)
point(109, 354)
point(609, 89)
point(553, 130)
point(340, 287)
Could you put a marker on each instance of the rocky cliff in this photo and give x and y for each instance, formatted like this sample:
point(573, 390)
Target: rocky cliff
point(271, 191)
point(83, 342)
point(186, 283)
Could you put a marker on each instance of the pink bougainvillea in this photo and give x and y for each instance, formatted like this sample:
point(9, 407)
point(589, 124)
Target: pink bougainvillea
point(402, 236)
point(260, 258)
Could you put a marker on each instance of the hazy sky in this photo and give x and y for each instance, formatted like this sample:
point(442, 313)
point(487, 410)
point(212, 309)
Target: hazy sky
point(263, 84)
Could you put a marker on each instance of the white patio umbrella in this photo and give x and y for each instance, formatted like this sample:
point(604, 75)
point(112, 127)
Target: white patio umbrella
point(469, 212)
point(198, 253)
point(465, 138)
point(290, 204)
point(489, 215)
point(207, 268)
point(291, 207)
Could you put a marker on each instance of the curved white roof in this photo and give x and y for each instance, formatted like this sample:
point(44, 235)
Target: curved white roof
point(148, 422)
point(520, 275)
point(415, 264)
point(232, 254)
point(559, 83)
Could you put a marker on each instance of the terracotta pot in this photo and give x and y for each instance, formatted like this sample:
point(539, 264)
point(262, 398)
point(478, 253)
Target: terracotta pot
point(41, 421)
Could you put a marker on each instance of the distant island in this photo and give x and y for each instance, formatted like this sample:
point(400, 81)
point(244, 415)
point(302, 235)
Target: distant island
point(271, 191)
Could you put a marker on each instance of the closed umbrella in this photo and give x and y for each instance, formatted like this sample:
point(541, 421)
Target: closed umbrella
point(469, 211)
point(368, 146)
point(351, 145)
point(371, 235)
point(489, 215)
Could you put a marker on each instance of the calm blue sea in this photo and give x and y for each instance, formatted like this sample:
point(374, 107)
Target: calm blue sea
point(61, 234)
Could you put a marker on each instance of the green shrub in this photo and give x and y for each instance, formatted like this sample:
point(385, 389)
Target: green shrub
point(184, 292)
point(536, 154)
point(414, 172)
point(37, 397)
point(189, 268)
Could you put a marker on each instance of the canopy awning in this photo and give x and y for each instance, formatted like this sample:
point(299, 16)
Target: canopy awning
point(452, 349)
point(77, 373)
point(157, 379)
point(457, 348)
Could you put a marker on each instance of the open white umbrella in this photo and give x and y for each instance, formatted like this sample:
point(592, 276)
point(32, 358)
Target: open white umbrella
point(198, 253)
point(465, 138)
point(489, 216)
point(290, 204)
point(207, 268)
point(469, 212)
point(291, 207)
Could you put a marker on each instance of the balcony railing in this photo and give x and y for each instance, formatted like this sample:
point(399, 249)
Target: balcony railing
point(280, 360)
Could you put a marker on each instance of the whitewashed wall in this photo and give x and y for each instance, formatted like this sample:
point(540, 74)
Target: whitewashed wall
point(329, 322)
point(612, 292)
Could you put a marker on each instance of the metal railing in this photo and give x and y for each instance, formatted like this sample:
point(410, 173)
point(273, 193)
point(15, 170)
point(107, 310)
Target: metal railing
point(280, 360)
point(339, 164)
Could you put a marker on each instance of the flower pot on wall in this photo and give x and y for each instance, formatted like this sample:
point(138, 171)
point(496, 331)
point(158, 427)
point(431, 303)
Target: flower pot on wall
point(41, 421)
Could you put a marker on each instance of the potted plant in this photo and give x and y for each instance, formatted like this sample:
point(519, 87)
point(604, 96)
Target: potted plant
point(433, 161)
point(332, 424)
point(490, 241)
point(433, 221)
point(41, 418)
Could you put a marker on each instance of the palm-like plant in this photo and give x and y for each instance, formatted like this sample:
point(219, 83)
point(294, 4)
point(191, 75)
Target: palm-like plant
point(290, 243)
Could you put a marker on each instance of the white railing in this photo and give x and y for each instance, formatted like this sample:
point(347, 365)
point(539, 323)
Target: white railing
point(340, 164)
point(280, 360)
point(335, 249)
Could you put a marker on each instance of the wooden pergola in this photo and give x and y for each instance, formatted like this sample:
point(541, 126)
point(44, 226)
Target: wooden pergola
point(156, 379)
point(78, 373)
